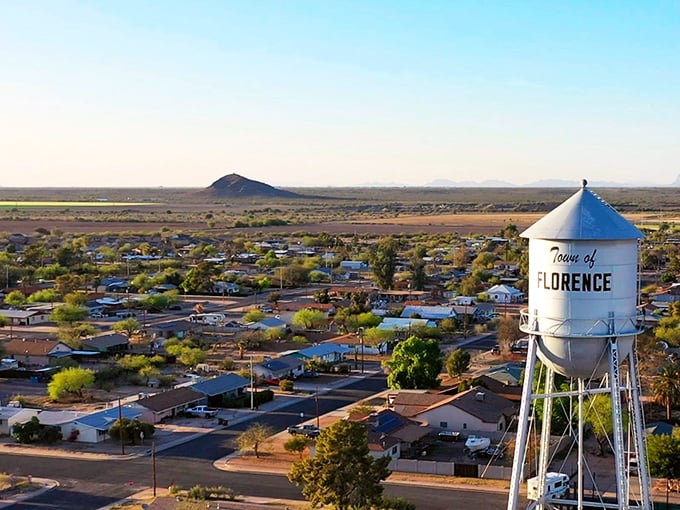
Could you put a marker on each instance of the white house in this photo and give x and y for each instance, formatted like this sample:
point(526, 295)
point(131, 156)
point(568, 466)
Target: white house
point(10, 416)
point(505, 294)
point(94, 427)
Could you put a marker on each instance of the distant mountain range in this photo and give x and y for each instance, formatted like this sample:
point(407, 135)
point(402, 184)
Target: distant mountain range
point(544, 183)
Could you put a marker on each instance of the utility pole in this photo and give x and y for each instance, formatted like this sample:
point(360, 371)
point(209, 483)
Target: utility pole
point(153, 466)
point(317, 406)
point(121, 429)
point(252, 388)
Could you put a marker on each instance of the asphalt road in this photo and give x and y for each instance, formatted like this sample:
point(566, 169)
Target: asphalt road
point(88, 484)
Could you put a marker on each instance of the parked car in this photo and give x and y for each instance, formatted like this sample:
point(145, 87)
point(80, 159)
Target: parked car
point(305, 430)
point(448, 435)
point(496, 451)
point(202, 411)
point(310, 374)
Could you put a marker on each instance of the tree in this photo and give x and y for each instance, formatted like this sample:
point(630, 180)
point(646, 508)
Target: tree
point(342, 472)
point(383, 260)
point(508, 333)
point(68, 314)
point(131, 430)
point(666, 389)
point(415, 364)
point(418, 276)
point(254, 316)
point(70, 381)
point(457, 362)
point(44, 296)
point(599, 415)
point(296, 444)
point(663, 455)
point(253, 437)
point(128, 326)
point(309, 319)
point(15, 298)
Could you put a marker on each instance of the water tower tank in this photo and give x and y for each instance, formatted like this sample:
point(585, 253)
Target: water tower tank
point(583, 290)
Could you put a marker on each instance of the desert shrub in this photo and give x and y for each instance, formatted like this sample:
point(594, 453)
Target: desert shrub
point(286, 385)
point(198, 492)
point(227, 363)
point(165, 381)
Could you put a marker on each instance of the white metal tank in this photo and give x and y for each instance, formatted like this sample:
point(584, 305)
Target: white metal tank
point(583, 259)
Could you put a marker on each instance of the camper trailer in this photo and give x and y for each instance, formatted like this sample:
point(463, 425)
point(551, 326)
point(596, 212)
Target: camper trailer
point(556, 486)
point(211, 319)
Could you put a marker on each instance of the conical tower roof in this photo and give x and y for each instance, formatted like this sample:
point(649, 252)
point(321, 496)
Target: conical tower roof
point(584, 216)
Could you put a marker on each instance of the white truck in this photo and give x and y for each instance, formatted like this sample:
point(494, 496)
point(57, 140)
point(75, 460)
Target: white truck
point(202, 411)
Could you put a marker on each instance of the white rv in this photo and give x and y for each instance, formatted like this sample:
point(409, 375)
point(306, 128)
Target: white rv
point(556, 486)
point(207, 318)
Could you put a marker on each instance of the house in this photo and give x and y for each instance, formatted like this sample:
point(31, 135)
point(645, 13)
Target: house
point(354, 343)
point(177, 329)
point(280, 368)
point(509, 374)
point(108, 343)
point(62, 420)
point(473, 411)
point(502, 293)
point(393, 434)
point(94, 427)
point(410, 403)
point(267, 324)
point(169, 404)
point(10, 416)
point(26, 317)
point(328, 352)
point(434, 313)
point(353, 265)
point(221, 388)
point(401, 324)
point(35, 352)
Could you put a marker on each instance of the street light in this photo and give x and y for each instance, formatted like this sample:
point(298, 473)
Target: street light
point(361, 340)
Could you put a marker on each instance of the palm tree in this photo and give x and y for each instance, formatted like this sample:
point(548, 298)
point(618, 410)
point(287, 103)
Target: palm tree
point(667, 387)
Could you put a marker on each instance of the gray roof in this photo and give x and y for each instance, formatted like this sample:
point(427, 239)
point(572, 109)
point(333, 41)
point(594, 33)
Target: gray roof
point(583, 216)
point(170, 399)
point(221, 384)
point(106, 341)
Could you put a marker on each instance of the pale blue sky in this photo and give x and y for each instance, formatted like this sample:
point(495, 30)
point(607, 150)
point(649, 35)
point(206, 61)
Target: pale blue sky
point(337, 93)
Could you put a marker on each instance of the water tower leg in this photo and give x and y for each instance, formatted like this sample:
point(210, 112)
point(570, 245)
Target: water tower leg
point(581, 452)
point(639, 434)
point(544, 456)
point(522, 426)
point(617, 419)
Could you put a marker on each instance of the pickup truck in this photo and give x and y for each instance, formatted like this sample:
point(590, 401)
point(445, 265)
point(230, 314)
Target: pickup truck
point(202, 411)
point(305, 430)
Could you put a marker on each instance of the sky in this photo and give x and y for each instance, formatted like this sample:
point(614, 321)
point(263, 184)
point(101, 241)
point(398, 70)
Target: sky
point(338, 93)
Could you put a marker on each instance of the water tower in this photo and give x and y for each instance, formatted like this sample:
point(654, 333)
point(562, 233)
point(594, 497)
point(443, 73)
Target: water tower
point(582, 322)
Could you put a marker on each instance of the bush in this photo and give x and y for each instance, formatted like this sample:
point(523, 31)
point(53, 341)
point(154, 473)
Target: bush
point(227, 363)
point(300, 339)
point(263, 396)
point(198, 492)
point(286, 385)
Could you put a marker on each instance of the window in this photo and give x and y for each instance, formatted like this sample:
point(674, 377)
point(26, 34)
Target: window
point(394, 450)
point(444, 424)
point(464, 426)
